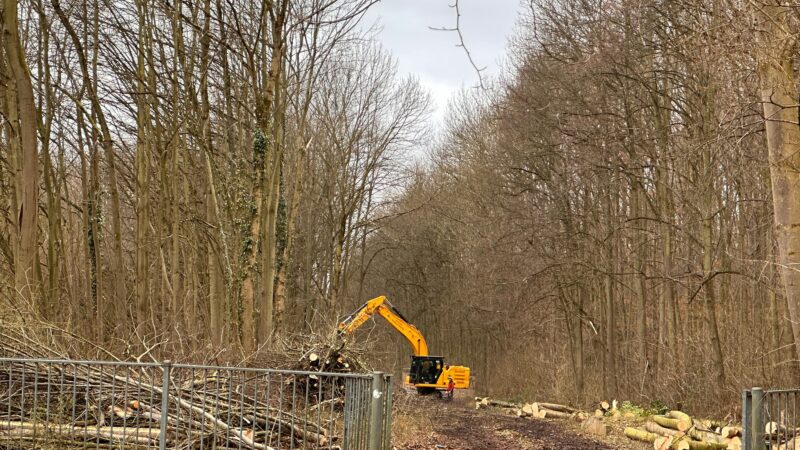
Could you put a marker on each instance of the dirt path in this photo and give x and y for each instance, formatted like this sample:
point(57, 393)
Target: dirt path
point(455, 427)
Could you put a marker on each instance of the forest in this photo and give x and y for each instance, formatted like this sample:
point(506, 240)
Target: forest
point(617, 215)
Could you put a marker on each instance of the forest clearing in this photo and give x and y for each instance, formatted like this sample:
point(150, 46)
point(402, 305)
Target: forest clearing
point(264, 224)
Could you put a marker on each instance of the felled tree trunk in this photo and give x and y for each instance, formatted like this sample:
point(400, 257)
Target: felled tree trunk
point(640, 435)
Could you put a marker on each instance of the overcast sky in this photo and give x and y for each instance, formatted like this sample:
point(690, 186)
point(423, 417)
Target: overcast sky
point(432, 56)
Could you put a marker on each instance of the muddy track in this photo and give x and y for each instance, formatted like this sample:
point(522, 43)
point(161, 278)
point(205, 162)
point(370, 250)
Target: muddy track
point(458, 428)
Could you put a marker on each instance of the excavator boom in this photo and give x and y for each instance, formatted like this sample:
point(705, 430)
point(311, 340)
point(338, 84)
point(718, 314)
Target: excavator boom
point(381, 306)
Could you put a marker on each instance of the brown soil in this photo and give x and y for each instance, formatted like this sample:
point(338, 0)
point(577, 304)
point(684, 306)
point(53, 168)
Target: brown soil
point(455, 426)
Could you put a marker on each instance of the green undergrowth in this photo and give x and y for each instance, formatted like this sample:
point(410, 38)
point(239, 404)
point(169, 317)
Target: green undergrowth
point(654, 408)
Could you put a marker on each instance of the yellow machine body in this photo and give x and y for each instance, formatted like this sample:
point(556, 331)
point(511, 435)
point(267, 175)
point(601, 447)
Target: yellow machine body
point(460, 375)
point(427, 373)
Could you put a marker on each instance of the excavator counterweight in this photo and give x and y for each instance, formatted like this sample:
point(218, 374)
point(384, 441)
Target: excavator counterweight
point(427, 373)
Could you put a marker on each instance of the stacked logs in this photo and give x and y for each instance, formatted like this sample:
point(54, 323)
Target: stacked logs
point(678, 431)
point(674, 430)
point(536, 410)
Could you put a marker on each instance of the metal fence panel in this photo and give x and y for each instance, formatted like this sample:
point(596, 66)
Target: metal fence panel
point(770, 420)
point(747, 414)
point(96, 404)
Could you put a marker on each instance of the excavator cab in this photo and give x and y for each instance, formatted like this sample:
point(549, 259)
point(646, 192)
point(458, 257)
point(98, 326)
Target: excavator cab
point(425, 369)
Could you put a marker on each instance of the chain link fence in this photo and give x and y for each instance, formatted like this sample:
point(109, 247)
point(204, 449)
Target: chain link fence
point(60, 404)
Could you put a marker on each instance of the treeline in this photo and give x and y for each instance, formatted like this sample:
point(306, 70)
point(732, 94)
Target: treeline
point(179, 174)
point(599, 224)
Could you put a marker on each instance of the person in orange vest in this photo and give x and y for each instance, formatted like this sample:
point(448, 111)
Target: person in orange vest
point(451, 387)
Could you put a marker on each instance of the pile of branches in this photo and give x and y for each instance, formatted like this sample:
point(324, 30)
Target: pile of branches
point(75, 404)
point(315, 353)
point(676, 430)
point(319, 353)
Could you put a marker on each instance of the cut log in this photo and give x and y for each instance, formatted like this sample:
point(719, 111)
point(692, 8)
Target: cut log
point(668, 422)
point(704, 424)
point(594, 425)
point(658, 429)
point(730, 432)
point(135, 435)
point(501, 404)
point(703, 435)
point(605, 406)
point(718, 423)
point(640, 435)
point(527, 409)
point(684, 419)
point(776, 430)
point(598, 413)
point(680, 415)
point(557, 407)
point(734, 443)
point(771, 428)
point(550, 414)
point(792, 444)
point(703, 445)
point(662, 443)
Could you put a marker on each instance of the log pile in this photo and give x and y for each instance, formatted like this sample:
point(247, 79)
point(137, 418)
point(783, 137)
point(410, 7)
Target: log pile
point(678, 431)
point(607, 409)
point(674, 430)
point(536, 410)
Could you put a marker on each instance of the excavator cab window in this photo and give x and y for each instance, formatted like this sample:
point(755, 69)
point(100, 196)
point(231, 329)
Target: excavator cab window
point(425, 369)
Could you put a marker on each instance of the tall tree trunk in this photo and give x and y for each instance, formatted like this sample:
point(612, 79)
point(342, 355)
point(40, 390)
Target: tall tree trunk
point(610, 324)
point(777, 41)
point(640, 280)
point(288, 248)
point(711, 301)
point(143, 307)
point(52, 186)
point(27, 227)
point(90, 84)
point(264, 148)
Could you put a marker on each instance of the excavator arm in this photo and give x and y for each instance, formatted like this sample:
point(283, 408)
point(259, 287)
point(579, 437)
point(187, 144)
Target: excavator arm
point(381, 306)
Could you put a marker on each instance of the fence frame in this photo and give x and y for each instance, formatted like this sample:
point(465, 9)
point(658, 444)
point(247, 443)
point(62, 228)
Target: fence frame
point(757, 404)
point(378, 415)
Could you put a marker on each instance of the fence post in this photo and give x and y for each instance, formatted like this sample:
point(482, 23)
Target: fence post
point(375, 412)
point(757, 420)
point(162, 435)
point(747, 412)
point(387, 418)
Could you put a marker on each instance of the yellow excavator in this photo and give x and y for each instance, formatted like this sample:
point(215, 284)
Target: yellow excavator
point(428, 374)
